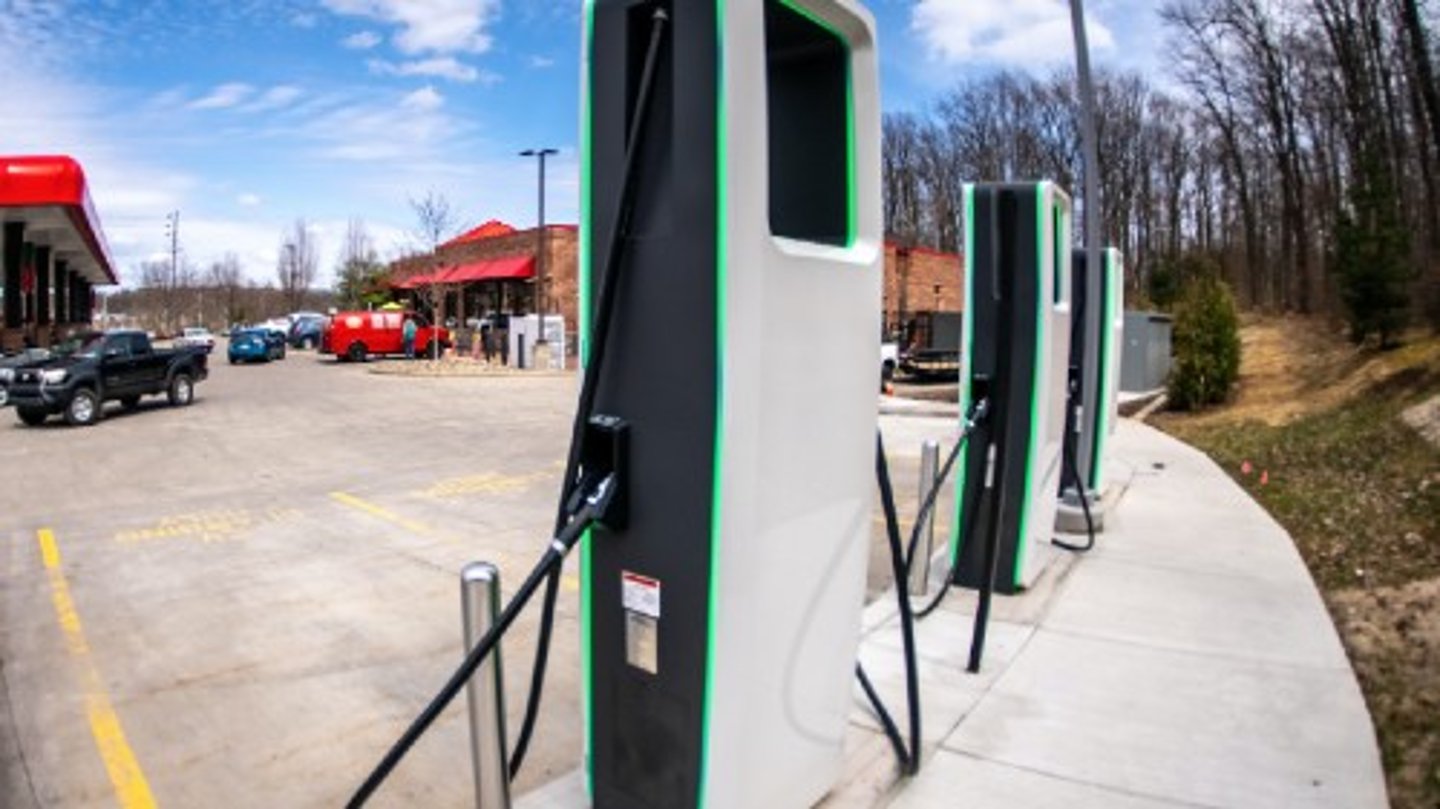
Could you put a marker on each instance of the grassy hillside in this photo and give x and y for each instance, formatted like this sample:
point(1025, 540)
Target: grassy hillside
point(1317, 434)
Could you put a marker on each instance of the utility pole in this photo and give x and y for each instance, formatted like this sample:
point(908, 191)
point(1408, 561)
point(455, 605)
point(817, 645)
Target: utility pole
point(172, 228)
point(540, 242)
point(1094, 256)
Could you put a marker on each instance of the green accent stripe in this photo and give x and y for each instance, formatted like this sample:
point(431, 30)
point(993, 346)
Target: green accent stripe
point(721, 258)
point(966, 368)
point(587, 590)
point(851, 182)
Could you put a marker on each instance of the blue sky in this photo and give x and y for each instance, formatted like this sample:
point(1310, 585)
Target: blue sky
point(247, 114)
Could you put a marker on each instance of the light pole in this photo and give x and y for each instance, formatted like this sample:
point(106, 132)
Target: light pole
point(172, 229)
point(540, 242)
point(1094, 261)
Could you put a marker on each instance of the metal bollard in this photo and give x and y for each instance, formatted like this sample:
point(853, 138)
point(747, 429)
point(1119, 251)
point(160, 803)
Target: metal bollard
point(480, 602)
point(920, 567)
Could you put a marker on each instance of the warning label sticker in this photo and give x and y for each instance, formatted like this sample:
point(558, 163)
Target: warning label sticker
point(640, 594)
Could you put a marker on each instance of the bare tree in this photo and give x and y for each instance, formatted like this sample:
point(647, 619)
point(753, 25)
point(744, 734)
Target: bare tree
point(297, 264)
point(434, 218)
point(228, 281)
point(358, 274)
point(436, 221)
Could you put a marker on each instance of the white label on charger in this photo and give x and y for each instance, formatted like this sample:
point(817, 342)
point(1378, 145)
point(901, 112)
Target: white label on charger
point(640, 594)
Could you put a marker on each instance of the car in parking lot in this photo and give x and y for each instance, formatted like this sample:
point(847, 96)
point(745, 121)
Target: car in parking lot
point(357, 336)
point(254, 345)
point(307, 331)
point(196, 337)
point(9, 363)
point(92, 368)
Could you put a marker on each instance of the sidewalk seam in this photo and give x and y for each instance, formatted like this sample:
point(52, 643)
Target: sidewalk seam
point(1080, 782)
point(1225, 656)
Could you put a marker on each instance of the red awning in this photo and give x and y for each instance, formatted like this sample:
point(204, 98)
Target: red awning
point(500, 269)
point(49, 194)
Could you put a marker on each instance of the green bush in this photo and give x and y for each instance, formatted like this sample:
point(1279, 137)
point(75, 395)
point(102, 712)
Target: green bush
point(1372, 258)
point(1206, 344)
point(1164, 284)
point(1171, 274)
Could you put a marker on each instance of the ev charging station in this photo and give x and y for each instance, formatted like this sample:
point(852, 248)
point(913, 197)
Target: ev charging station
point(1015, 353)
point(720, 624)
point(1091, 429)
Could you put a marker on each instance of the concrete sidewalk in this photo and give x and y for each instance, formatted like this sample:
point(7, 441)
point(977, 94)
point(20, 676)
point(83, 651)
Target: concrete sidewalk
point(1187, 661)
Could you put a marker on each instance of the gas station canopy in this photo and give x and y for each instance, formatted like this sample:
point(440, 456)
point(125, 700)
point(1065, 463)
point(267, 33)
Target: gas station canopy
point(49, 194)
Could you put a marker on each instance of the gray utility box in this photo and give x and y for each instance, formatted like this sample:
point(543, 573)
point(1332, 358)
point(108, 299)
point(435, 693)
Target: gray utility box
point(1145, 364)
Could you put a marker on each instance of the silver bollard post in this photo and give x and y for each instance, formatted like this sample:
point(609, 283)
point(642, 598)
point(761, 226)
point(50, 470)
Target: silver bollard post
point(920, 568)
point(480, 600)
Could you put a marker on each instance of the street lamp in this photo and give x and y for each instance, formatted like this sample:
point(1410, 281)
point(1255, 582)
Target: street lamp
point(172, 232)
point(540, 242)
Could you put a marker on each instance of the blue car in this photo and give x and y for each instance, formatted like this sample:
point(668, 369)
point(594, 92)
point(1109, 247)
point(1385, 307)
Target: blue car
point(254, 345)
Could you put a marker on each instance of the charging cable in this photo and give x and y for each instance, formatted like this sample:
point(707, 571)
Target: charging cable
point(593, 509)
point(580, 506)
point(605, 306)
point(979, 412)
point(901, 561)
point(1084, 509)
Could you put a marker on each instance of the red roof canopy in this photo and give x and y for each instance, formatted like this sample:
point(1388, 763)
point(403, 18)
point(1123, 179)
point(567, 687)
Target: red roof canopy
point(489, 230)
point(500, 269)
point(49, 194)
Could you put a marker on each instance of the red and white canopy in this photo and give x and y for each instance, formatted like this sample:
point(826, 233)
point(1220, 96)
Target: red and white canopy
point(49, 194)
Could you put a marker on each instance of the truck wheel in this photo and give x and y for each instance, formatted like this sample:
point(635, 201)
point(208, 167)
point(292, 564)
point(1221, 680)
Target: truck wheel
point(32, 418)
point(356, 352)
point(130, 402)
point(182, 390)
point(84, 408)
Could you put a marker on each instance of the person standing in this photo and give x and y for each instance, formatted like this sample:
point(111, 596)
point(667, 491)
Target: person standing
point(408, 337)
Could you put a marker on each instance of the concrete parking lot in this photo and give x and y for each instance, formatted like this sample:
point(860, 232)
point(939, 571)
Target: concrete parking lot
point(243, 603)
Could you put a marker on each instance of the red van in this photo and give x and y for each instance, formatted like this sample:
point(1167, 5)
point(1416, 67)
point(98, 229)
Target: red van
point(356, 336)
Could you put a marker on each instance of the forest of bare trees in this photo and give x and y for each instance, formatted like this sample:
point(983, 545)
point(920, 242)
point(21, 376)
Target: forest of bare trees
point(1293, 143)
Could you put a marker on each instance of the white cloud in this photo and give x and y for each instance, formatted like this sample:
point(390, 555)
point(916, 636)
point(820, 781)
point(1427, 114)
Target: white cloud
point(426, 99)
point(248, 200)
point(1009, 32)
point(437, 26)
point(362, 41)
point(412, 127)
point(541, 62)
point(223, 97)
point(275, 98)
point(304, 19)
point(442, 67)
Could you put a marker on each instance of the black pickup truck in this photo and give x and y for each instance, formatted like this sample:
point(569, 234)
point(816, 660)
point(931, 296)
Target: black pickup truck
point(90, 369)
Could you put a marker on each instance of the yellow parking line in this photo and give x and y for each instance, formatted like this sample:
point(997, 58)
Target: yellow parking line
point(131, 788)
point(385, 514)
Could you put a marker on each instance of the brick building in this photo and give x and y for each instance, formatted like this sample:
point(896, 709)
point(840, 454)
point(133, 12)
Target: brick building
point(920, 283)
point(491, 269)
